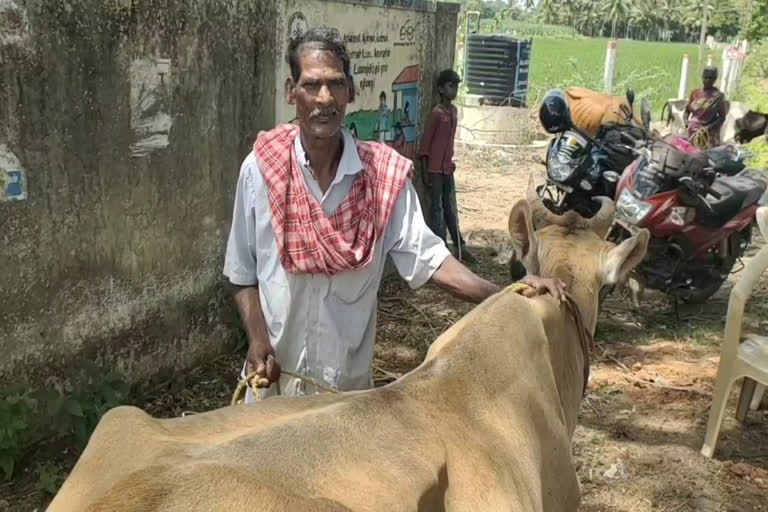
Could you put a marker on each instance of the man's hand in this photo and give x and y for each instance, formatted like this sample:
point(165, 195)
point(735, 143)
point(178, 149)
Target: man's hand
point(261, 359)
point(540, 285)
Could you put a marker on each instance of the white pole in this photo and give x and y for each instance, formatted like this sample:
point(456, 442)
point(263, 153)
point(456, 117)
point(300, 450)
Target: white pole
point(610, 66)
point(732, 75)
point(683, 79)
point(726, 68)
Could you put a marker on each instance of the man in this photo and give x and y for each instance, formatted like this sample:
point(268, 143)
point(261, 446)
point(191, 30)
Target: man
point(706, 111)
point(315, 215)
point(436, 154)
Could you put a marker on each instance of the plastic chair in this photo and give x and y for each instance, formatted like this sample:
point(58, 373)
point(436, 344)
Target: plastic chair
point(747, 358)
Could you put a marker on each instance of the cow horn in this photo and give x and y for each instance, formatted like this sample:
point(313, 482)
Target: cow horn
point(542, 217)
point(601, 222)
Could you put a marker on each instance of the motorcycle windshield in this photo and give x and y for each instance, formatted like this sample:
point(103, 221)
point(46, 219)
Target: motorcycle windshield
point(649, 180)
point(566, 155)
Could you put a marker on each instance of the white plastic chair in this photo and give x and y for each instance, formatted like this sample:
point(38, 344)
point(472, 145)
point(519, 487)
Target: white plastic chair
point(747, 358)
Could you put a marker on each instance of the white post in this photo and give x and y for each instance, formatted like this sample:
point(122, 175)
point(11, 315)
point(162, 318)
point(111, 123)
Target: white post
point(733, 74)
point(610, 66)
point(683, 79)
point(726, 68)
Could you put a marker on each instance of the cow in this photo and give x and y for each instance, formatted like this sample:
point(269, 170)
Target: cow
point(752, 125)
point(483, 423)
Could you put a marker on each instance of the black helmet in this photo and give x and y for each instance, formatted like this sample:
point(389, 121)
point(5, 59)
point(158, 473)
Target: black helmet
point(554, 114)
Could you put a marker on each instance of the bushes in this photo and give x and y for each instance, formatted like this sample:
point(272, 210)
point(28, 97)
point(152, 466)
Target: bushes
point(68, 415)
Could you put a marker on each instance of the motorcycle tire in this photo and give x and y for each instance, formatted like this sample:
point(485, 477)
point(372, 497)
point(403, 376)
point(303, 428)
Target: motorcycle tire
point(699, 295)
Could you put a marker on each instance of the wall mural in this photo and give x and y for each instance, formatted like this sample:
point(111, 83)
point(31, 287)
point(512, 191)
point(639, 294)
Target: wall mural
point(383, 47)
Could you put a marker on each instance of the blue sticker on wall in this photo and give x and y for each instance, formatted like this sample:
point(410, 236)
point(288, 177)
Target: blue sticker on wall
point(15, 188)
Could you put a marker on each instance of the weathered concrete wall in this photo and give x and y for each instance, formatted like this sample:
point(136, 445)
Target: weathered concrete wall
point(122, 127)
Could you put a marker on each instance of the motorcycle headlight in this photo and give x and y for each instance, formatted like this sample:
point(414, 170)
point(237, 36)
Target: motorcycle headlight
point(559, 167)
point(631, 208)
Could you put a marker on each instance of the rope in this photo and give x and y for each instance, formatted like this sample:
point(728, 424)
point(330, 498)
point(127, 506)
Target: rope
point(250, 379)
point(700, 138)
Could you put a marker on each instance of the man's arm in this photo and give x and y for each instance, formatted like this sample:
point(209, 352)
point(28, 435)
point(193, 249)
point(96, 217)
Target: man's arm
point(261, 355)
point(420, 256)
point(241, 269)
point(425, 147)
point(462, 283)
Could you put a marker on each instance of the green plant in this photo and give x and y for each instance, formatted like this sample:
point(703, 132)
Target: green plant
point(28, 418)
point(17, 414)
point(49, 477)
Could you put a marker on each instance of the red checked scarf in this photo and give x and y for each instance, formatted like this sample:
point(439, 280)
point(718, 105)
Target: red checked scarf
point(308, 240)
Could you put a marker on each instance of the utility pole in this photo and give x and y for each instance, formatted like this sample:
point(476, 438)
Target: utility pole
point(703, 36)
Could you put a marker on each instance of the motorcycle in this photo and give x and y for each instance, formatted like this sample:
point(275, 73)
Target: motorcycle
point(699, 217)
point(580, 167)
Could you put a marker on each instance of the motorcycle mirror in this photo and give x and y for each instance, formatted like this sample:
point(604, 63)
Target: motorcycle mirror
point(630, 97)
point(645, 113)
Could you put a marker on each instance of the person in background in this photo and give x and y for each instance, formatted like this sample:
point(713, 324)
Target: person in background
point(705, 112)
point(316, 213)
point(436, 155)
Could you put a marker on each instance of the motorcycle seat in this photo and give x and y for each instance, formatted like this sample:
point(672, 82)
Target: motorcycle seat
point(723, 161)
point(737, 193)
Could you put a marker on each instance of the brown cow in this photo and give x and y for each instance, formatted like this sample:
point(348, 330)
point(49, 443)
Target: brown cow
point(484, 423)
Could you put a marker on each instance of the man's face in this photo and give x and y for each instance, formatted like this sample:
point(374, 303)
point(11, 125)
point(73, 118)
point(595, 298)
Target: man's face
point(708, 78)
point(449, 90)
point(321, 94)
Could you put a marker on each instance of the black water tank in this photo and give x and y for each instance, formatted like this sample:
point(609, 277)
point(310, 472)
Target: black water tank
point(497, 68)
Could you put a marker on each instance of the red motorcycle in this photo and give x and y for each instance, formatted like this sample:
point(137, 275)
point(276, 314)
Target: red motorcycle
point(700, 221)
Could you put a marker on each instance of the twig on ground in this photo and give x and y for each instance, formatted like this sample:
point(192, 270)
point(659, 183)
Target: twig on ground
point(386, 373)
point(665, 386)
point(422, 313)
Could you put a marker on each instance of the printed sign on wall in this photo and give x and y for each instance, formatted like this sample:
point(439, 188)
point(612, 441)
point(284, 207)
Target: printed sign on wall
point(384, 52)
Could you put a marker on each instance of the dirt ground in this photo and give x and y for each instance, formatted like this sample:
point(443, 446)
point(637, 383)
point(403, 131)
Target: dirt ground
point(643, 418)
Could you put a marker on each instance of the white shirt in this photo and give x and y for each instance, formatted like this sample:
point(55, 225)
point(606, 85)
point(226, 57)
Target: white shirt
point(324, 326)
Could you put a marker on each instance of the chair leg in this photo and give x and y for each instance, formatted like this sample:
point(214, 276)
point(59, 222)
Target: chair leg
point(745, 398)
point(759, 392)
point(716, 411)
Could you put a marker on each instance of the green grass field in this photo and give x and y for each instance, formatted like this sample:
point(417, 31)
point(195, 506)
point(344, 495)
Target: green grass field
point(651, 69)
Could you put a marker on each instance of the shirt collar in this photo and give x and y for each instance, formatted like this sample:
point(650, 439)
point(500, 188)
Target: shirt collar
point(350, 162)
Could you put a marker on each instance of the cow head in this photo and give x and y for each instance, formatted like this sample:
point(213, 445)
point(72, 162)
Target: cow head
point(573, 249)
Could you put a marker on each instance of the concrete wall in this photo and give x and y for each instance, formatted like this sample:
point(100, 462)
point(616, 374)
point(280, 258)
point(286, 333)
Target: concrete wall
point(122, 127)
point(125, 123)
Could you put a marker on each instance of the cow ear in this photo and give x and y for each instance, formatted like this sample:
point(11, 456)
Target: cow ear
point(524, 240)
point(624, 257)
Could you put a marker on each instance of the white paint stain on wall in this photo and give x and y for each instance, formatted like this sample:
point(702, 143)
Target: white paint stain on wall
point(13, 178)
point(14, 24)
point(151, 120)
